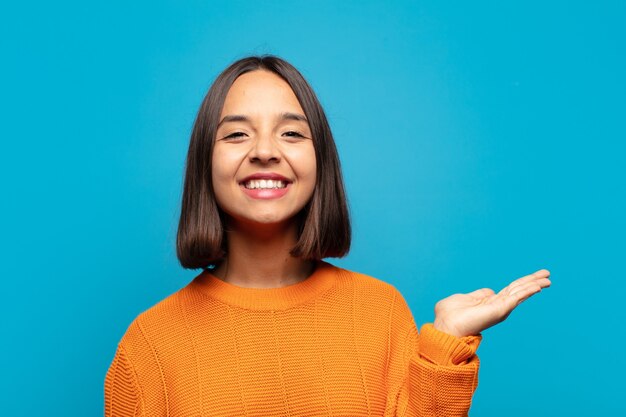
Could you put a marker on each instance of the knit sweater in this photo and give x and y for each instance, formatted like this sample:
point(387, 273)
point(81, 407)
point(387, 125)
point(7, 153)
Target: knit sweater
point(338, 343)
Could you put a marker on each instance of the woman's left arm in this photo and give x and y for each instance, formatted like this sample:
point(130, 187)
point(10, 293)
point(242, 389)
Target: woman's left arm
point(438, 373)
point(469, 314)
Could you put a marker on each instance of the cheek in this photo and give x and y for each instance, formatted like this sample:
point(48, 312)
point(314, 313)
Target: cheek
point(306, 169)
point(222, 174)
point(311, 176)
point(224, 166)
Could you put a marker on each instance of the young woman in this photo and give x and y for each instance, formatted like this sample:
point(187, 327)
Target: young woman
point(268, 328)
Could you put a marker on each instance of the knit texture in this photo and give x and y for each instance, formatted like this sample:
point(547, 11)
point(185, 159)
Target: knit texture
point(339, 343)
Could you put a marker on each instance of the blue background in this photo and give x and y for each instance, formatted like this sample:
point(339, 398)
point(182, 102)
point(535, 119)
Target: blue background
point(479, 142)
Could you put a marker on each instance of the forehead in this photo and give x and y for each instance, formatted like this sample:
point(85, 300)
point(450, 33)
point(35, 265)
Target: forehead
point(260, 92)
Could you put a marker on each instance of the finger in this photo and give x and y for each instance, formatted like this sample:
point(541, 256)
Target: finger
point(542, 273)
point(535, 276)
point(544, 282)
point(482, 293)
point(509, 303)
point(523, 292)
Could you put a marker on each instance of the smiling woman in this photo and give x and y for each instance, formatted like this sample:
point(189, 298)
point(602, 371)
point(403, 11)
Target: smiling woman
point(261, 120)
point(264, 169)
point(268, 327)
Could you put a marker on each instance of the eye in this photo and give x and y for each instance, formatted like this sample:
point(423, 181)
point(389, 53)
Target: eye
point(235, 136)
point(293, 134)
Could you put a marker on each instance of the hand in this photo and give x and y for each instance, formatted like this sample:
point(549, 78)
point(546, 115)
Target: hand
point(469, 314)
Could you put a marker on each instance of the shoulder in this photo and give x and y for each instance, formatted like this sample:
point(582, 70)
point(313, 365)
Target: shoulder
point(379, 306)
point(378, 291)
point(162, 318)
point(365, 281)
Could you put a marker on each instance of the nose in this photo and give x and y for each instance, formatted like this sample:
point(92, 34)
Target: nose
point(264, 150)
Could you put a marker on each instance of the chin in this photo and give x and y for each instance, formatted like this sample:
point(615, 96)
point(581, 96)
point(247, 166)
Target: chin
point(262, 219)
point(269, 220)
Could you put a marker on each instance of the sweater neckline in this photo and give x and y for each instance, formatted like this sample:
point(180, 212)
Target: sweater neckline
point(279, 298)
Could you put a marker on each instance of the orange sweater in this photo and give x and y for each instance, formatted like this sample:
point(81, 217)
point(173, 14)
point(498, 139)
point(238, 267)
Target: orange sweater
point(339, 343)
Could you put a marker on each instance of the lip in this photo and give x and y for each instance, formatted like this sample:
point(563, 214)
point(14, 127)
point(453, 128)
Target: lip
point(265, 176)
point(265, 193)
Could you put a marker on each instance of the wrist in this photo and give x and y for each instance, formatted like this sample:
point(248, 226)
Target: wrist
point(442, 326)
point(442, 348)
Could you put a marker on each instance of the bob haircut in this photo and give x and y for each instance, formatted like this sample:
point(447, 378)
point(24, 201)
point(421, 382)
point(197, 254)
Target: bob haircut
point(324, 224)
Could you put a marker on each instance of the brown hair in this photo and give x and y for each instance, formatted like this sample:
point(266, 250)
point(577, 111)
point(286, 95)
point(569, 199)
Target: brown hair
point(324, 229)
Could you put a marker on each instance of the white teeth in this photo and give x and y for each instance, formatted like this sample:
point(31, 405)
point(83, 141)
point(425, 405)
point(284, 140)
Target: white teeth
point(252, 184)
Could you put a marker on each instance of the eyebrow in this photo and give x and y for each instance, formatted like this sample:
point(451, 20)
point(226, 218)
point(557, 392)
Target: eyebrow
point(242, 118)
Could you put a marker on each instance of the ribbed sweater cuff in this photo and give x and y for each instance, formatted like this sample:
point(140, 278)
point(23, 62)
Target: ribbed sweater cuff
point(444, 349)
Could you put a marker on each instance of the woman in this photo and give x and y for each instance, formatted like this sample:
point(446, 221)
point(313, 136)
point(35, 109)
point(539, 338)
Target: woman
point(268, 328)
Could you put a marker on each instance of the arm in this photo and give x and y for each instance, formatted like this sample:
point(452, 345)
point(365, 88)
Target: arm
point(439, 370)
point(121, 392)
point(441, 374)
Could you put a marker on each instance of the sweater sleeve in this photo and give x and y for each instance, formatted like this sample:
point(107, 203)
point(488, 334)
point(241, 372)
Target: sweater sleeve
point(437, 373)
point(121, 393)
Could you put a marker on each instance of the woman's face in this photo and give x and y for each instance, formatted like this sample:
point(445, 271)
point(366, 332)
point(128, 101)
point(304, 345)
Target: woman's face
point(264, 166)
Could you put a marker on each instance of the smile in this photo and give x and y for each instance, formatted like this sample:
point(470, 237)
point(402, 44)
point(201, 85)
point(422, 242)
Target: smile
point(264, 184)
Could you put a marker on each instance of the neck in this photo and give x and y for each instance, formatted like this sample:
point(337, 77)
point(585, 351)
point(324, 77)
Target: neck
point(259, 257)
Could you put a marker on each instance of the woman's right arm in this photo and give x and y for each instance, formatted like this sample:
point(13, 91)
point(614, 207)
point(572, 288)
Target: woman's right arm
point(122, 397)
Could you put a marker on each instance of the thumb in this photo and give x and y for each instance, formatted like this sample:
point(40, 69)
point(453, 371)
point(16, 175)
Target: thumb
point(482, 293)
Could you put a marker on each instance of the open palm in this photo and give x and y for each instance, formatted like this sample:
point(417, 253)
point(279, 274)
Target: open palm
point(470, 314)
